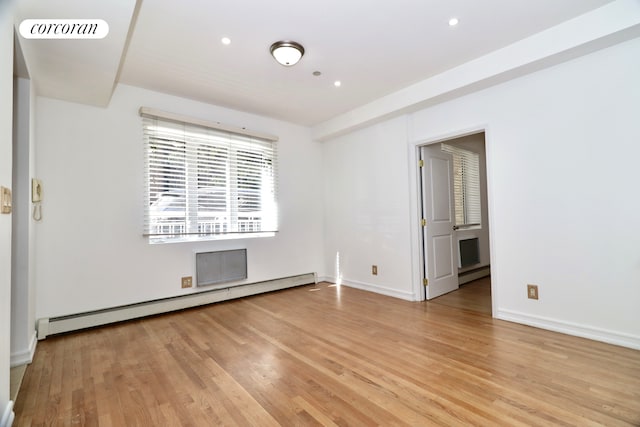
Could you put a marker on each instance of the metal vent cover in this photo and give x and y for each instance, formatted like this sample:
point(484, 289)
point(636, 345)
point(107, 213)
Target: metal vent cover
point(217, 267)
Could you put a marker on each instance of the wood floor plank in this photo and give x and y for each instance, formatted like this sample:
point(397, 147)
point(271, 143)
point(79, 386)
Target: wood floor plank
point(331, 356)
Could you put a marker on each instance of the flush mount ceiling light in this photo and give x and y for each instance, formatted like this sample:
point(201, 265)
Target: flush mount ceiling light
point(287, 53)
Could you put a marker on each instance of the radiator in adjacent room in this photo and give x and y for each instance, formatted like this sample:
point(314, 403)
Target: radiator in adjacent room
point(469, 252)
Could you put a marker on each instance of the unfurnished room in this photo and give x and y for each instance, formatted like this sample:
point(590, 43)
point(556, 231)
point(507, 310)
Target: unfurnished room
point(251, 213)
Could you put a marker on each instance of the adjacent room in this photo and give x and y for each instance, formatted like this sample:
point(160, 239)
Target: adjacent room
point(335, 213)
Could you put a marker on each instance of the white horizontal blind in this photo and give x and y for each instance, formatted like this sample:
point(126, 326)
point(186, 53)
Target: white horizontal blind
point(466, 182)
point(202, 182)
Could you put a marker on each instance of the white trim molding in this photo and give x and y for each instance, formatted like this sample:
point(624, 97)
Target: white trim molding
point(26, 356)
point(8, 415)
point(570, 328)
point(408, 296)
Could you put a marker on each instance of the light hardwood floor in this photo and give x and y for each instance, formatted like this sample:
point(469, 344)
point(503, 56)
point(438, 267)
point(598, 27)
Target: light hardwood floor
point(327, 355)
point(474, 296)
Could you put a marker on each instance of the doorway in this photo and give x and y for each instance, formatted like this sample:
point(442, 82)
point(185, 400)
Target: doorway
point(454, 219)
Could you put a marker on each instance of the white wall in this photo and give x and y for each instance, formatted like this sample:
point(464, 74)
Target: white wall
point(367, 209)
point(90, 249)
point(562, 147)
point(6, 108)
point(23, 337)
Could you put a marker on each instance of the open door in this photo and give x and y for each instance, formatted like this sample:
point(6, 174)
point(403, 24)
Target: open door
point(438, 213)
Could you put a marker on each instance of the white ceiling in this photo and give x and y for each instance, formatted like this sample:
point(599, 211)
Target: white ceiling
point(174, 47)
point(75, 70)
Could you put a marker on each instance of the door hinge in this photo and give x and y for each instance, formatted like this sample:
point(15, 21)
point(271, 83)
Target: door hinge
point(423, 222)
point(425, 281)
point(420, 163)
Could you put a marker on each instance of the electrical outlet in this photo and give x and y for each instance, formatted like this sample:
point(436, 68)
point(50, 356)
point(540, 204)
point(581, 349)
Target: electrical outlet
point(532, 291)
point(187, 282)
point(374, 270)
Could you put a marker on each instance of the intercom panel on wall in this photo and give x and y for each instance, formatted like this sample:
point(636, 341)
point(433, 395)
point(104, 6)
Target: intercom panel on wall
point(36, 190)
point(36, 198)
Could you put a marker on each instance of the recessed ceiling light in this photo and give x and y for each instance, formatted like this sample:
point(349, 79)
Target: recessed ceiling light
point(317, 73)
point(226, 40)
point(337, 83)
point(453, 22)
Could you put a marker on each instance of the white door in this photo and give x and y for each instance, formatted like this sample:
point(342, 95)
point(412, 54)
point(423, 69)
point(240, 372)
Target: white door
point(438, 235)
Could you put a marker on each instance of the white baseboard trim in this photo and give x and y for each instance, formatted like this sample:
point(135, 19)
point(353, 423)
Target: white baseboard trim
point(408, 296)
point(325, 279)
point(25, 357)
point(570, 328)
point(8, 415)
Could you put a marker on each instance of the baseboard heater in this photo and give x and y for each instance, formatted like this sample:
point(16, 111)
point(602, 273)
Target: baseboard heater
point(58, 325)
point(475, 274)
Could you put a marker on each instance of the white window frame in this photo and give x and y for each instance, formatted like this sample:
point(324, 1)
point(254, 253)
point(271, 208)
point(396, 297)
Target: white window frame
point(206, 181)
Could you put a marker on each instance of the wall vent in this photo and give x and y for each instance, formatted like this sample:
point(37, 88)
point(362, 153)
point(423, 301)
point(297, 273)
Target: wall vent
point(213, 268)
point(469, 252)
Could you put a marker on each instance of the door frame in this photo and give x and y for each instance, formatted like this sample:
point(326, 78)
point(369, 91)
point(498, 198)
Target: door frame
point(415, 198)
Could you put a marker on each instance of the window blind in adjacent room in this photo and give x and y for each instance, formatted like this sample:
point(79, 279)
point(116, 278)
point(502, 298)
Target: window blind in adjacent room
point(466, 181)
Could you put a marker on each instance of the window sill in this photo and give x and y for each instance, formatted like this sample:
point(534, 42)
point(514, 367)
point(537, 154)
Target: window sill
point(156, 240)
point(468, 227)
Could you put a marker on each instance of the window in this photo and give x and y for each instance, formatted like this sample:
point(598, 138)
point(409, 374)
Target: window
point(466, 186)
point(205, 182)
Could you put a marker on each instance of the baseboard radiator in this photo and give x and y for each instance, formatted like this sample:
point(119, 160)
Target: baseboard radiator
point(475, 274)
point(62, 324)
